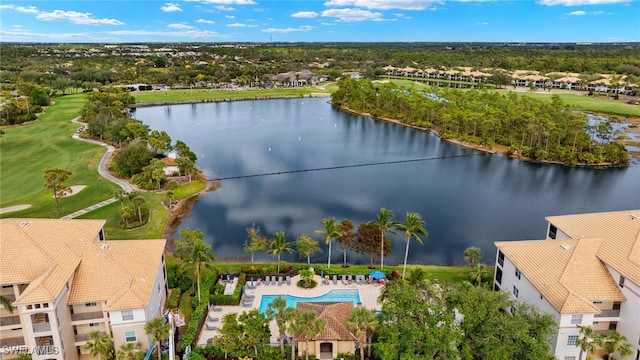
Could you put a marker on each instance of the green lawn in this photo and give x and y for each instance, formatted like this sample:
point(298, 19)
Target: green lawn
point(25, 151)
point(203, 94)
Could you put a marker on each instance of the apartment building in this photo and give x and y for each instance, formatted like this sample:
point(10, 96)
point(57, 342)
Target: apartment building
point(65, 281)
point(586, 272)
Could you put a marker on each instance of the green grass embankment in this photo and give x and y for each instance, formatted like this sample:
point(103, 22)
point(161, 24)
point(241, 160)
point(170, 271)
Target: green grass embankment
point(195, 95)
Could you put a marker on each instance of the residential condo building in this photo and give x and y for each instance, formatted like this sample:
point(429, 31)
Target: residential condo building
point(586, 272)
point(66, 281)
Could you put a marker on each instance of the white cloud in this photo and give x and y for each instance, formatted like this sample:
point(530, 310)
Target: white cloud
point(583, 13)
point(22, 9)
point(288, 30)
point(580, 2)
point(205, 21)
point(384, 4)
point(305, 14)
point(241, 25)
point(224, 8)
point(352, 15)
point(170, 7)
point(230, 16)
point(76, 18)
point(225, 2)
point(181, 26)
point(328, 24)
point(194, 34)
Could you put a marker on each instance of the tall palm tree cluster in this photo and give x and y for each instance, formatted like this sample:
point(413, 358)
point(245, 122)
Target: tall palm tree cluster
point(478, 270)
point(610, 342)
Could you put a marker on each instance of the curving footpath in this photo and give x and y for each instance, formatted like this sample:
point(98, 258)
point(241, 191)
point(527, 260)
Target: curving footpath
point(103, 171)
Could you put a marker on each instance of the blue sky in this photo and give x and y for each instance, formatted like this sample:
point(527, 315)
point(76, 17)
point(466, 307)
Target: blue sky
point(320, 21)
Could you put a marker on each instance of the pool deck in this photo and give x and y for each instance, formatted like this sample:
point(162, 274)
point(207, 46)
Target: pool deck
point(368, 293)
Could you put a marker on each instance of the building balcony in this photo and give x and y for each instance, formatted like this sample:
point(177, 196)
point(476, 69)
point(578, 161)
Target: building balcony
point(40, 327)
point(86, 337)
point(9, 320)
point(87, 316)
point(608, 314)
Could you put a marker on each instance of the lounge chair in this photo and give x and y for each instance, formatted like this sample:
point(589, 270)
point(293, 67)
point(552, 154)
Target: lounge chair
point(288, 280)
point(349, 279)
point(213, 308)
point(335, 279)
point(273, 280)
point(267, 280)
point(279, 280)
point(211, 326)
point(326, 280)
point(212, 318)
point(247, 304)
point(344, 280)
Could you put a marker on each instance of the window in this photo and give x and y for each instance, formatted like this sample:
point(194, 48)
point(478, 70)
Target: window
point(597, 302)
point(130, 336)
point(569, 358)
point(499, 276)
point(572, 340)
point(515, 292)
point(621, 282)
point(517, 273)
point(90, 304)
point(500, 258)
point(127, 315)
point(45, 305)
point(552, 231)
point(94, 324)
point(576, 319)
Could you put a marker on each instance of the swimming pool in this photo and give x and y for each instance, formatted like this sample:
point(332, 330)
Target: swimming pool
point(332, 296)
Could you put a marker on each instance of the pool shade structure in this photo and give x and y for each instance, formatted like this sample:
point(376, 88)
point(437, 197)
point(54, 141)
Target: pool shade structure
point(377, 275)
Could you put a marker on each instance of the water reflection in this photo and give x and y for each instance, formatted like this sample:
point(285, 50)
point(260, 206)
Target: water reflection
point(466, 201)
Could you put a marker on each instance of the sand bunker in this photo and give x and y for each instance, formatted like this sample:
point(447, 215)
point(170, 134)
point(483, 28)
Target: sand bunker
point(74, 190)
point(13, 208)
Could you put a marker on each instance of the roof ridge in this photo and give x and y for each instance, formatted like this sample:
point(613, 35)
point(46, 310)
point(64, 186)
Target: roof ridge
point(572, 259)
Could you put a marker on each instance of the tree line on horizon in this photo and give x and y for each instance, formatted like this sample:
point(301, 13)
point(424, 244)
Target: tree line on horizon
point(536, 129)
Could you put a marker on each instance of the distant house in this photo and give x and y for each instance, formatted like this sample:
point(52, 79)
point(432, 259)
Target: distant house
point(335, 338)
point(170, 165)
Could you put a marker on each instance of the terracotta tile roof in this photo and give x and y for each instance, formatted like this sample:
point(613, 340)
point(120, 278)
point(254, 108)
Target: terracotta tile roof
point(557, 269)
point(47, 253)
point(620, 232)
point(335, 316)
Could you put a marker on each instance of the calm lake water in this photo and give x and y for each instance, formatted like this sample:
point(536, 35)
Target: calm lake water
point(466, 198)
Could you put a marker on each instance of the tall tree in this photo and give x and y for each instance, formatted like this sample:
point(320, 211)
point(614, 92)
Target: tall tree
point(613, 342)
point(413, 227)
point(364, 321)
point(100, 345)
point(310, 325)
point(158, 328)
point(307, 246)
point(330, 232)
point(473, 255)
point(346, 239)
point(55, 178)
point(129, 351)
point(255, 241)
point(367, 242)
point(586, 342)
point(478, 273)
point(194, 253)
point(279, 245)
point(230, 338)
point(255, 328)
point(276, 311)
point(6, 303)
point(121, 195)
point(385, 223)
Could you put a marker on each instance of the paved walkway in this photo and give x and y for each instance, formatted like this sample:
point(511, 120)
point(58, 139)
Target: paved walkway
point(369, 294)
point(103, 171)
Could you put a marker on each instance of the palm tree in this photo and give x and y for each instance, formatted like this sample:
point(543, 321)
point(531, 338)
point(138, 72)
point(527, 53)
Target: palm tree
point(586, 343)
point(363, 321)
point(129, 351)
point(279, 245)
point(99, 345)
point(412, 227)
point(612, 342)
point(159, 328)
point(386, 225)
point(196, 254)
point(294, 327)
point(310, 325)
point(276, 310)
point(137, 204)
point(478, 272)
point(121, 195)
point(473, 255)
point(6, 303)
point(330, 232)
point(125, 215)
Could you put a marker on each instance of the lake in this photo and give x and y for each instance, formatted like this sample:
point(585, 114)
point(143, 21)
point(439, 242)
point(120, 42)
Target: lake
point(357, 165)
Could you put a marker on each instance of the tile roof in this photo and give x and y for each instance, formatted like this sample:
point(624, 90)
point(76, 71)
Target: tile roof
point(47, 253)
point(620, 234)
point(557, 269)
point(335, 316)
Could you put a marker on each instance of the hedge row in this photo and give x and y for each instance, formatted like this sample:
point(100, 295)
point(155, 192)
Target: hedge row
point(174, 298)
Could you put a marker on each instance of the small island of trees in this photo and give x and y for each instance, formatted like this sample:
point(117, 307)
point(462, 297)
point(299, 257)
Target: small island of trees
point(533, 129)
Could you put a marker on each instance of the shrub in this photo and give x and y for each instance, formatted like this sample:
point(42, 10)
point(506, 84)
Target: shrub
point(193, 328)
point(174, 298)
point(185, 284)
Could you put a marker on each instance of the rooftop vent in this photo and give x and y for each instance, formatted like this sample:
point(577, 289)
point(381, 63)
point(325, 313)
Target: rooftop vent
point(565, 246)
point(634, 217)
point(104, 246)
point(23, 224)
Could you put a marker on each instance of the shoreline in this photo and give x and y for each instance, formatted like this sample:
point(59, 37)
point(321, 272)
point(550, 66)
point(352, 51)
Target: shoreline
point(501, 150)
point(228, 99)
